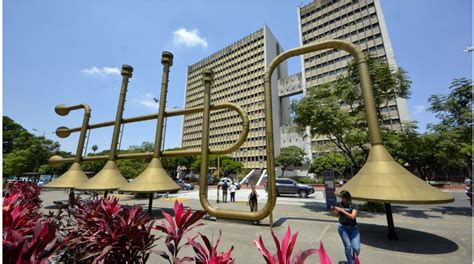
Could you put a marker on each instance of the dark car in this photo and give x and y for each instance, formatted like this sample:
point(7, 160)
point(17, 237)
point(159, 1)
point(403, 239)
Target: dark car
point(289, 186)
point(185, 185)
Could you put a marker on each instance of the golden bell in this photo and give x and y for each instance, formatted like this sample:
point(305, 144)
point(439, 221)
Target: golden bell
point(109, 178)
point(72, 178)
point(153, 179)
point(382, 179)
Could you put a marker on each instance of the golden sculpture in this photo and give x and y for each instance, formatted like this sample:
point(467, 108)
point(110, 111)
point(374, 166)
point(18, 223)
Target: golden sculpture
point(381, 179)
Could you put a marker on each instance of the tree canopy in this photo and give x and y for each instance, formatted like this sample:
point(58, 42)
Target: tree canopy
point(335, 110)
point(23, 151)
point(331, 161)
point(290, 156)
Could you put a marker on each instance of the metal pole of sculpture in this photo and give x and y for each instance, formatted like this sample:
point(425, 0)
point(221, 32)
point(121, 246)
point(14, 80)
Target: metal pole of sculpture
point(74, 176)
point(381, 179)
point(110, 178)
point(154, 178)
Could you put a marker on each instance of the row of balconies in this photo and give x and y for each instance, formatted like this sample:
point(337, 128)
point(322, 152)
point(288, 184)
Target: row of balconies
point(219, 64)
point(342, 31)
point(344, 11)
point(246, 42)
point(250, 80)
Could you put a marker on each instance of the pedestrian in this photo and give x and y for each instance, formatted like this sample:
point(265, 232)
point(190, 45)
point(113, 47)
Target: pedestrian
point(252, 200)
point(233, 189)
point(224, 191)
point(347, 228)
point(467, 182)
point(247, 182)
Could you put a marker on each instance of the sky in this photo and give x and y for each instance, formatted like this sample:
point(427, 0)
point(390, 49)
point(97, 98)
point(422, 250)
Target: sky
point(71, 52)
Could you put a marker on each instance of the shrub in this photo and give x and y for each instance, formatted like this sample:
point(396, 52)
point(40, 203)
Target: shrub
point(208, 254)
point(307, 180)
point(28, 193)
point(27, 238)
point(106, 232)
point(174, 228)
point(373, 207)
point(285, 248)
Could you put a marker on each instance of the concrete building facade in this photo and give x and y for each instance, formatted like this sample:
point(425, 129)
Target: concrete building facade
point(358, 21)
point(238, 78)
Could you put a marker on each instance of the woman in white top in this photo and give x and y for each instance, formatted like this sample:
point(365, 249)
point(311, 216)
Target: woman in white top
point(232, 189)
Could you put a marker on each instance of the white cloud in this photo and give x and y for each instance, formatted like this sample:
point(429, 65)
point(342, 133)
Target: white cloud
point(188, 38)
point(148, 101)
point(419, 109)
point(104, 71)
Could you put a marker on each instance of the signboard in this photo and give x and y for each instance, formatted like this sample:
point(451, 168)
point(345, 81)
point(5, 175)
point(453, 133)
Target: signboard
point(329, 189)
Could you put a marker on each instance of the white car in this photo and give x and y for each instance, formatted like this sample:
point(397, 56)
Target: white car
point(229, 182)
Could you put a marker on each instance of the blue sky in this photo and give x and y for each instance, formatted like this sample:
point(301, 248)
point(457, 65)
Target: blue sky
point(68, 52)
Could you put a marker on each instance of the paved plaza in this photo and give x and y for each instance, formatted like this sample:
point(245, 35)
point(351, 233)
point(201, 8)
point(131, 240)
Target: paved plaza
point(428, 233)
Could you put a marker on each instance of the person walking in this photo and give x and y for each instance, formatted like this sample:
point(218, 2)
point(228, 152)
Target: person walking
point(252, 200)
point(347, 228)
point(224, 192)
point(232, 189)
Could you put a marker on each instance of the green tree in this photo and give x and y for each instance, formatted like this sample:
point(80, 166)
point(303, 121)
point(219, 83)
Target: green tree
point(331, 161)
point(11, 130)
point(336, 110)
point(94, 148)
point(321, 110)
point(131, 168)
point(454, 132)
point(171, 164)
point(196, 165)
point(25, 151)
point(388, 84)
point(289, 156)
point(228, 166)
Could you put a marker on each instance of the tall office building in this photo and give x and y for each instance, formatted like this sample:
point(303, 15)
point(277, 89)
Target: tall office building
point(238, 78)
point(358, 21)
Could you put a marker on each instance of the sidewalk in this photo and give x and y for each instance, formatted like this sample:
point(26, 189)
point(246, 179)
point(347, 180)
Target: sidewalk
point(440, 234)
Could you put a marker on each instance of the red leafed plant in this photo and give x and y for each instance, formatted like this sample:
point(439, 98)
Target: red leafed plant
point(209, 254)
point(285, 248)
point(29, 192)
point(174, 228)
point(108, 233)
point(27, 238)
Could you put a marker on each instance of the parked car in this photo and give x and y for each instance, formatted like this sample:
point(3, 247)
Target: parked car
point(342, 181)
point(185, 185)
point(40, 183)
point(289, 186)
point(229, 182)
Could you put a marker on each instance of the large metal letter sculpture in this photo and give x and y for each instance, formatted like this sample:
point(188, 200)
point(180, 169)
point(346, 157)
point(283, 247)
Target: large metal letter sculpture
point(381, 179)
point(154, 178)
point(74, 176)
point(110, 178)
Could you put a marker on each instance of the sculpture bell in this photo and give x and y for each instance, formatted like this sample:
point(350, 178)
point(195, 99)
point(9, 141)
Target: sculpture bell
point(153, 179)
point(382, 179)
point(71, 179)
point(109, 178)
